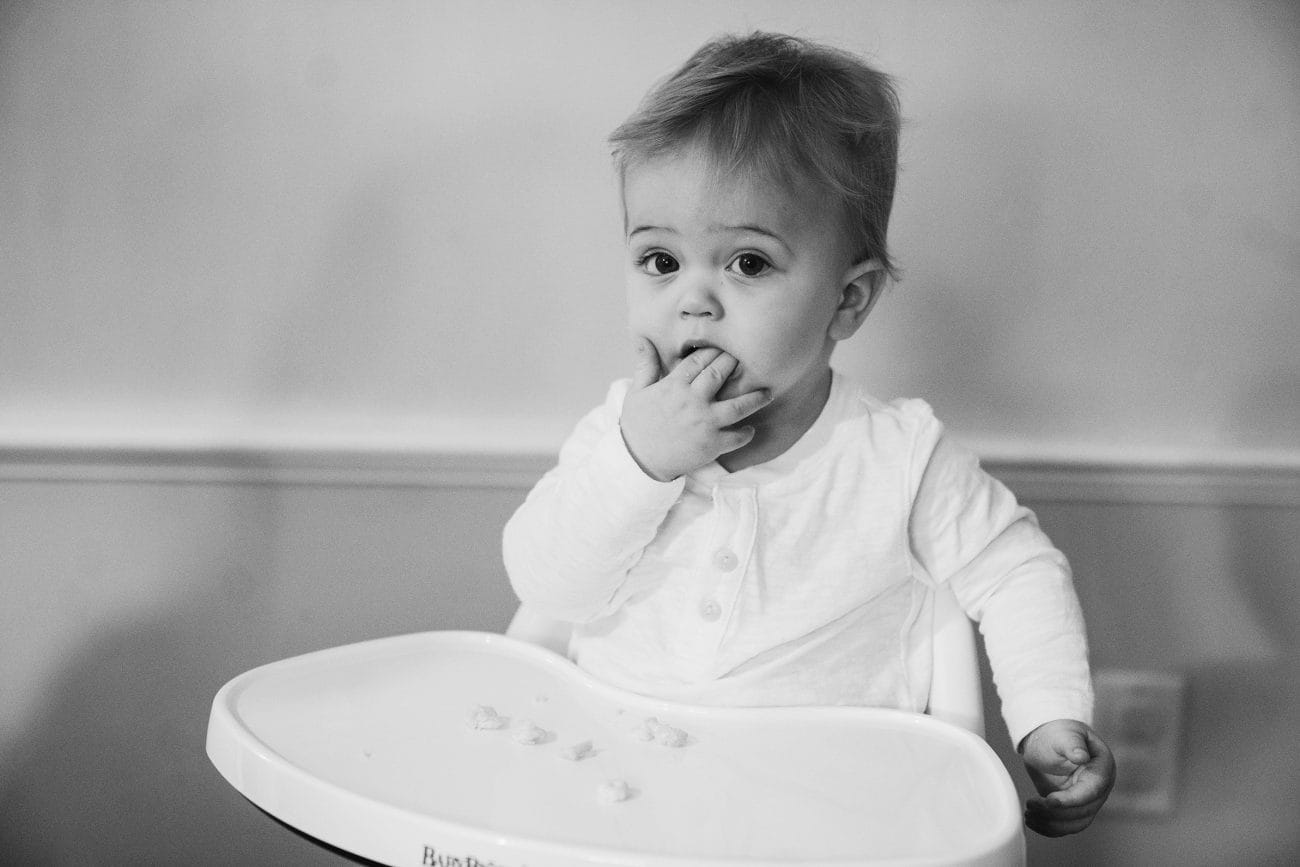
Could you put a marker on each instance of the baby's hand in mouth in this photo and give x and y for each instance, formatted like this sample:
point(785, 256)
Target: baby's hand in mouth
point(677, 422)
point(728, 388)
point(691, 346)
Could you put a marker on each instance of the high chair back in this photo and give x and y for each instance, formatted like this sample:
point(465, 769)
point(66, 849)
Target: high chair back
point(955, 695)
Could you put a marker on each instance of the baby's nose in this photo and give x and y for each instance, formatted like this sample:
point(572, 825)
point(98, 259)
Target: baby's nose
point(699, 300)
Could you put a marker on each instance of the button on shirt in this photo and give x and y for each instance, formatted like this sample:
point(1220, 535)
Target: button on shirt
point(725, 560)
point(807, 580)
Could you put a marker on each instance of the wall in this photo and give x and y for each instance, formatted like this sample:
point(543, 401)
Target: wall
point(136, 585)
point(394, 222)
point(296, 299)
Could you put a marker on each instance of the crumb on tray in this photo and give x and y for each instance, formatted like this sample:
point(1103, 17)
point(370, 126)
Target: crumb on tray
point(578, 752)
point(528, 732)
point(661, 733)
point(485, 717)
point(613, 791)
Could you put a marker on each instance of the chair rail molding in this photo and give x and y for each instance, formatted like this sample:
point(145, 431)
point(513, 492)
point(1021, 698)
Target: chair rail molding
point(1234, 481)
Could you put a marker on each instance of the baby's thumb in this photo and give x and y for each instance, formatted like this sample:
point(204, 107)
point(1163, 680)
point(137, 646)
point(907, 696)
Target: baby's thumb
point(646, 371)
point(1074, 749)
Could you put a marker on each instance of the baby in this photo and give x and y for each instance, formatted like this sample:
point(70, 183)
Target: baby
point(739, 524)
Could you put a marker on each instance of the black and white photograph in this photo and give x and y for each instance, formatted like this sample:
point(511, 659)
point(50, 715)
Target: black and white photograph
point(693, 433)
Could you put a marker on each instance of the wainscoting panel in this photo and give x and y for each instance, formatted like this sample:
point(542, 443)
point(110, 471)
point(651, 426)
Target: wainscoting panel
point(137, 581)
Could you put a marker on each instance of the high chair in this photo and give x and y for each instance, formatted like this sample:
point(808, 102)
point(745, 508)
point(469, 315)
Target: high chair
point(368, 749)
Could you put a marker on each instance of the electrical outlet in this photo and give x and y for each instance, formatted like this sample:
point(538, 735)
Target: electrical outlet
point(1139, 714)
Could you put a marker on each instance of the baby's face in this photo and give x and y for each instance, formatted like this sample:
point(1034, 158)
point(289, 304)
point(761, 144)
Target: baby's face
point(735, 263)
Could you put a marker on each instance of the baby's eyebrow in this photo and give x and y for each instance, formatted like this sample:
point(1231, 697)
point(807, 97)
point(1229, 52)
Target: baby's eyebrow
point(758, 230)
point(639, 229)
point(744, 227)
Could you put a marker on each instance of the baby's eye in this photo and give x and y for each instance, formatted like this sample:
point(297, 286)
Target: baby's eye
point(658, 264)
point(750, 264)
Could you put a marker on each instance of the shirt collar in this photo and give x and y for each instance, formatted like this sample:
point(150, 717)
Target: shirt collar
point(785, 463)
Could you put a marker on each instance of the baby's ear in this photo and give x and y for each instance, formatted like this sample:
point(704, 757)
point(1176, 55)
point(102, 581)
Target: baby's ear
point(862, 285)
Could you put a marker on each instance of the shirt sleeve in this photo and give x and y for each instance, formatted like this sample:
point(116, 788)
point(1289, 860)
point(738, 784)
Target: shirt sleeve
point(569, 548)
point(968, 530)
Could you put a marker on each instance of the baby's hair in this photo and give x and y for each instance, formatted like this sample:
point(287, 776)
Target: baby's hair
point(793, 111)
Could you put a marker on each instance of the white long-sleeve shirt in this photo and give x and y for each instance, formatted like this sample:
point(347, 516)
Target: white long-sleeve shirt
point(808, 579)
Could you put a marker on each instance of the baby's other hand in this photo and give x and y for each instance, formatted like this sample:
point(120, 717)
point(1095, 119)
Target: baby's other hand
point(672, 423)
point(1073, 771)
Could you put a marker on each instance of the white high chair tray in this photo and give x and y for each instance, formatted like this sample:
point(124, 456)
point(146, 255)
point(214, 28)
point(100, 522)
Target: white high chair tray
point(367, 748)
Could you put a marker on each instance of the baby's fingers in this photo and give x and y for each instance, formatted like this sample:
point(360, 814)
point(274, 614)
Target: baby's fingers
point(1088, 787)
point(1084, 788)
point(646, 371)
point(714, 375)
point(1051, 826)
point(732, 410)
point(1053, 820)
point(730, 440)
point(689, 368)
point(1059, 810)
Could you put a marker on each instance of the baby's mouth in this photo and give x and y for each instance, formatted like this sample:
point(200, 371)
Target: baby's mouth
point(729, 387)
point(691, 345)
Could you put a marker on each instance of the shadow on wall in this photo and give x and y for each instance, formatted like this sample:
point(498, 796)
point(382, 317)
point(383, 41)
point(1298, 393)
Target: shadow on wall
point(113, 769)
point(110, 767)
